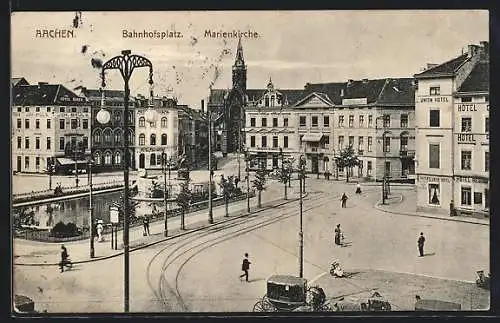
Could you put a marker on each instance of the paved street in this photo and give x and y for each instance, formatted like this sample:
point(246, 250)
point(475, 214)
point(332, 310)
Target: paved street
point(199, 271)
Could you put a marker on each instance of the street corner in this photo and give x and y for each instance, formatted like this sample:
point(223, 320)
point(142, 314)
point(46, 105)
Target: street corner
point(401, 290)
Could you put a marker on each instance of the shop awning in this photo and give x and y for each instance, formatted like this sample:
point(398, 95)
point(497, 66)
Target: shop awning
point(312, 137)
point(67, 161)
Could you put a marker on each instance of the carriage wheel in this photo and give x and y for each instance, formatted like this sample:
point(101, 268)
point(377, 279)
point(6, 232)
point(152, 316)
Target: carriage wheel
point(264, 306)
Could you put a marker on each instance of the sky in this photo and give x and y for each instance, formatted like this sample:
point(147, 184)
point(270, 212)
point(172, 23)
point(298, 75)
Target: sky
point(293, 47)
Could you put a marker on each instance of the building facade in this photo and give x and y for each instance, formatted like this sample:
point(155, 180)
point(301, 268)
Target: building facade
point(160, 136)
point(51, 125)
point(452, 126)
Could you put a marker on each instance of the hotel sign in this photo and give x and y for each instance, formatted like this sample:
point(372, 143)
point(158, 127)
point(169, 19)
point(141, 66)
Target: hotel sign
point(471, 107)
point(466, 138)
point(464, 179)
point(425, 178)
point(357, 101)
point(434, 99)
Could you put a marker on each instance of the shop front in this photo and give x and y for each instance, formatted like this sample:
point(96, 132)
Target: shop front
point(434, 193)
point(472, 196)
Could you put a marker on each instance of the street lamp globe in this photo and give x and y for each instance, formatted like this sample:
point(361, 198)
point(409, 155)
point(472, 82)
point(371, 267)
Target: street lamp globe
point(103, 116)
point(151, 115)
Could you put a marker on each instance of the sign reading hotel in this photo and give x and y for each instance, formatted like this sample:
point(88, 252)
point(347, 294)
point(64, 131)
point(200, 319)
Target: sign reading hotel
point(434, 99)
point(471, 107)
point(357, 101)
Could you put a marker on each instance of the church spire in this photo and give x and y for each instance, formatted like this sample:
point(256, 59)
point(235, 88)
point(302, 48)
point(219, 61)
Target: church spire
point(239, 61)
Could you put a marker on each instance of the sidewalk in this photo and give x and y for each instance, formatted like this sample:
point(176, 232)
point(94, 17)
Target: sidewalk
point(32, 253)
point(400, 202)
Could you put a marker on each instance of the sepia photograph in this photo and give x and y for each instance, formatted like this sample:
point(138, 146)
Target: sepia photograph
point(250, 162)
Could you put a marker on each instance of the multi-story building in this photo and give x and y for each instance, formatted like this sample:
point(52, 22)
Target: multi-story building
point(187, 134)
point(452, 126)
point(108, 139)
point(51, 125)
point(161, 136)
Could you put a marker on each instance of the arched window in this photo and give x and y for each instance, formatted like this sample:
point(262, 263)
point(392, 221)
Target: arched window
point(272, 100)
point(118, 116)
point(152, 140)
point(164, 139)
point(97, 158)
point(266, 100)
point(152, 160)
point(130, 117)
point(131, 140)
point(118, 136)
point(163, 122)
point(142, 139)
point(118, 158)
point(97, 136)
point(107, 136)
point(142, 122)
point(107, 158)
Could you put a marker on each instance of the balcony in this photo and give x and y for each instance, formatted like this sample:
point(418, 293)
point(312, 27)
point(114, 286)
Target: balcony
point(407, 153)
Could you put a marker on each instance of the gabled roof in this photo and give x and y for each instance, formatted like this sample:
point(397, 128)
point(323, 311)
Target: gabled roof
point(445, 69)
point(321, 96)
point(96, 94)
point(332, 90)
point(291, 96)
point(478, 80)
point(45, 94)
point(398, 91)
point(18, 81)
point(369, 89)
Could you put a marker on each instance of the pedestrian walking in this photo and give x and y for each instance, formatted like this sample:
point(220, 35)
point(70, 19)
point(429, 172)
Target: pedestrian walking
point(100, 229)
point(338, 234)
point(358, 188)
point(245, 266)
point(145, 223)
point(64, 258)
point(344, 200)
point(420, 242)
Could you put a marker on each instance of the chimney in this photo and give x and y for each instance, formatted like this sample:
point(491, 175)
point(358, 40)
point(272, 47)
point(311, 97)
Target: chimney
point(349, 82)
point(430, 65)
point(472, 50)
point(365, 80)
point(202, 106)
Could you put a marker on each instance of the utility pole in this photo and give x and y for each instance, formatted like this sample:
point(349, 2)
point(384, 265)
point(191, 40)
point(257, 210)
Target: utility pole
point(247, 159)
point(301, 233)
point(283, 174)
point(210, 213)
point(91, 212)
point(165, 193)
point(76, 166)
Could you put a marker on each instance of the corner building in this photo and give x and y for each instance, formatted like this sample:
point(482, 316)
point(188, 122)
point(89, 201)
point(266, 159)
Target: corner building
point(452, 141)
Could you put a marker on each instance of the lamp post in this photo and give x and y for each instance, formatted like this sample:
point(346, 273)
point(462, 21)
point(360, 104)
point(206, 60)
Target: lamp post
point(283, 175)
point(91, 209)
point(247, 169)
point(301, 233)
point(76, 166)
point(165, 191)
point(239, 147)
point(50, 168)
point(210, 212)
point(125, 63)
point(384, 178)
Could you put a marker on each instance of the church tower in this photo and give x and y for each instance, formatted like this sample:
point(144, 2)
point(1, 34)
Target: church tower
point(239, 70)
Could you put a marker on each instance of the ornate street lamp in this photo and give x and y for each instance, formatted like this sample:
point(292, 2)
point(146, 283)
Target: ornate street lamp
point(165, 191)
point(125, 63)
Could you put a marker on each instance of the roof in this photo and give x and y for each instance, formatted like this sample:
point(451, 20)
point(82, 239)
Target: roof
point(398, 91)
point(45, 94)
point(478, 80)
point(444, 69)
point(291, 96)
point(286, 280)
point(18, 81)
point(95, 93)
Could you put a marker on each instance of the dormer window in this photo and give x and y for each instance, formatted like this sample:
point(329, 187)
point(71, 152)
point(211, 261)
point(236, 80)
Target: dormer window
point(272, 100)
point(266, 100)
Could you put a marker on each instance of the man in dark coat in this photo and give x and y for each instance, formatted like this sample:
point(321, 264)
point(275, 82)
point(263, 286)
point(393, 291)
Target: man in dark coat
point(64, 258)
point(245, 266)
point(344, 200)
point(420, 242)
point(145, 223)
point(337, 235)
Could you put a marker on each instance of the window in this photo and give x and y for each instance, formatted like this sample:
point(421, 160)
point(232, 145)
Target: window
point(163, 122)
point(264, 122)
point(387, 144)
point(275, 141)
point(97, 158)
point(48, 143)
point(49, 123)
point(37, 109)
point(466, 194)
point(19, 109)
point(37, 142)
point(369, 148)
point(434, 195)
point(118, 158)
point(37, 123)
point(252, 141)
point(37, 163)
point(351, 121)
point(74, 123)
point(164, 139)
point(404, 121)
point(360, 143)
point(107, 158)
point(466, 99)
point(19, 142)
point(341, 121)
point(142, 139)
point(434, 118)
point(266, 100)
point(404, 143)
point(433, 155)
point(142, 122)
point(26, 162)
point(466, 158)
point(118, 137)
point(85, 123)
point(466, 124)
point(285, 122)
point(27, 123)
point(314, 121)
point(300, 139)
point(434, 90)
point(487, 124)
point(285, 141)
point(387, 121)
point(131, 138)
point(27, 109)
point(85, 142)
point(326, 141)
point(388, 169)
point(48, 109)
point(486, 161)
point(252, 122)
point(370, 121)
point(326, 121)
point(73, 109)
point(19, 122)
point(152, 140)
point(27, 143)
point(62, 109)
point(118, 116)
point(361, 121)
point(107, 136)
point(263, 141)
point(341, 142)
point(61, 143)
point(97, 137)
point(302, 121)
point(272, 100)
point(351, 141)
point(85, 110)
point(478, 198)
point(369, 168)
point(158, 159)
point(275, 122)
point(61, 123)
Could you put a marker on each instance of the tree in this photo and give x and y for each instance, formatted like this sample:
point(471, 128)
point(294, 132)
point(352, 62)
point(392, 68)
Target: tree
point(227, 188)
point(347, 160)
point(155, 190)
point(259, 183)
point(23, 216)
point(184, 199)
point(285, 175)
point(132, 207)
